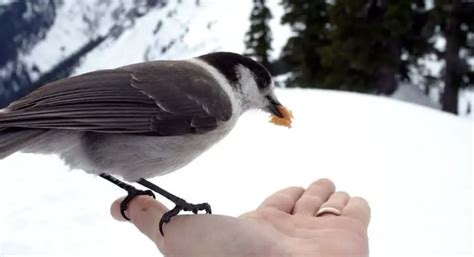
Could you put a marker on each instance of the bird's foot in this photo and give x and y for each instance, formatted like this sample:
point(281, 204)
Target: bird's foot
point(182, 205)
point(132, 193)
point(131, 190)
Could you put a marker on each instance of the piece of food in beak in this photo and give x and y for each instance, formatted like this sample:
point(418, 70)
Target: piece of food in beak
point(282, 121)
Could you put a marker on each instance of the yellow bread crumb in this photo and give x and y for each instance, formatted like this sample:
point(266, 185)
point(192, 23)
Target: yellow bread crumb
point(286, 120)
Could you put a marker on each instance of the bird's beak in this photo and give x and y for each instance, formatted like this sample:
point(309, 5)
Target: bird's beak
point(273, 107)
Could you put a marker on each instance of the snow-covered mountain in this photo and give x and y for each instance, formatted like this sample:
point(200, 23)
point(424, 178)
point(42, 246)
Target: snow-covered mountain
point(47, 40)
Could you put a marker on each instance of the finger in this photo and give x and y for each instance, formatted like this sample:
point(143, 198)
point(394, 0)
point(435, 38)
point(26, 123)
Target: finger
point(316, 194)
point(115, 210)
point(144, 212)
point(283, 200)
point(338, 200)
point(357, 208)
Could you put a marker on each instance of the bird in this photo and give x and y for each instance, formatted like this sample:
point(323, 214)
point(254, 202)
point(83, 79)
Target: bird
point(141, 120)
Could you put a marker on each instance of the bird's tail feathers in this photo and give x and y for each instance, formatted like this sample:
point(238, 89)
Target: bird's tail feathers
point(13, 140)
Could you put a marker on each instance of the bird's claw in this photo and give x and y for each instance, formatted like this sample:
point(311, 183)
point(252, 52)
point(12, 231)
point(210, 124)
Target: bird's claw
point(131, 195)
point(183, 206)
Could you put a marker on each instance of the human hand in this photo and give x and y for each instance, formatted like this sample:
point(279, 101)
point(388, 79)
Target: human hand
point(285, 224)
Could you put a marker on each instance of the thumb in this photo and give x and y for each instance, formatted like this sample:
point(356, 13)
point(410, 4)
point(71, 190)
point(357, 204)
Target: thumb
point(145, 213)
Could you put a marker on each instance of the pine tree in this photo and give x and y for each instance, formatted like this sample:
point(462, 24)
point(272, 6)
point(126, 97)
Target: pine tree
point(366, 44)
point(371, 45)
point(454, 20)
point(417, 43)
point(309, 22)
point(259, 38)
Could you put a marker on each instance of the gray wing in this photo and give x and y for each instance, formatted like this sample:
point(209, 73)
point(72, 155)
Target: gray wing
point(154, 98)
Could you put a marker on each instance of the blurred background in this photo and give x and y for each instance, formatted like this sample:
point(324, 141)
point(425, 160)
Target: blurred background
point(420, 51)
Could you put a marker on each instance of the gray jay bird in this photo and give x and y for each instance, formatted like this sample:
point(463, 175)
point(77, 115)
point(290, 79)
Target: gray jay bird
point(140, 120)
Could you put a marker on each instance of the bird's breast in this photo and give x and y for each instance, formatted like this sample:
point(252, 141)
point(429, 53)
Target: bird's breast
point(134, 157)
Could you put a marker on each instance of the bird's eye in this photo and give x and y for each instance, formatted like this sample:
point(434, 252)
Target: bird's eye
point(262, 84)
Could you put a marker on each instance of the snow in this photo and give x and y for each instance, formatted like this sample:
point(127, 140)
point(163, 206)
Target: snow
point(6, 2)
point(70, 32)
point(466, 103)
point(413, 164)
point(191, 30)
point(413, 94)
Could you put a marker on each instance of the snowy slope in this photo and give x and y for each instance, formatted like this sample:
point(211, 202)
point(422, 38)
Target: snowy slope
point(78, 22)
point(173, 30)
point(409, 162)
point(186, 31)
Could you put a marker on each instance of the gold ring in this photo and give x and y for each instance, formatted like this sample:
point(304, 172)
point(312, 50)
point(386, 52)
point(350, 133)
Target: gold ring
point(328, 210)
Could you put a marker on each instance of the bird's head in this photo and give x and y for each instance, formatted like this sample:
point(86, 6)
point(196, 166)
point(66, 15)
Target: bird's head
point(251, 82)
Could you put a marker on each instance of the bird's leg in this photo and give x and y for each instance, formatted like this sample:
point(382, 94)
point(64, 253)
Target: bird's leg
point(132, 192)
point(181, 204)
